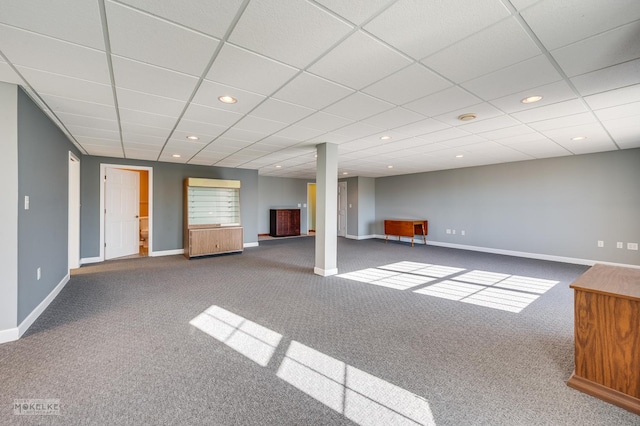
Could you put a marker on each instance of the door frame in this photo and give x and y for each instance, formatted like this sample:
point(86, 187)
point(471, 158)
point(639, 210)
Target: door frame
point(309, 203)
point(342, 185)
point(73, 245)
point(103, 172)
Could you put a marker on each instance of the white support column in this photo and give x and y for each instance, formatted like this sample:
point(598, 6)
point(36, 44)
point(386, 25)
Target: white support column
point(9, 213)
point(327, 210)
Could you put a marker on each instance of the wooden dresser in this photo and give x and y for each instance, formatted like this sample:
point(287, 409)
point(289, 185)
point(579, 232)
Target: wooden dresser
point(284, 222)
point(607, 335)
point(406, 228)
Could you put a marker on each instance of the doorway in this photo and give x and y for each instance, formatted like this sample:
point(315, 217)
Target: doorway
point(342, 209)
point(311, 207)
point(74, 212)
point(122, 203)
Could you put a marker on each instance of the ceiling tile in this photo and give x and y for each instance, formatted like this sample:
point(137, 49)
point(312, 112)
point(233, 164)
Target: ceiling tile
point(324, 122)
point(616, 97)
point(507, 132)
point(82, 23)
point(147, 119)
point(523, 4)
point(311, 91)
point(543, 148)
point(359, 61)
point(463, 141)
point(153, 80)
point(407, 85)
point(142, 154)
point(205, 131)
point(94, 132)
point(209, 92)
point(444, 135)
point(87, 121)
point(358, 130)
point(130, 99)
point(8, 75)
point(560, 109)
point(614, 77)
point(356, 11)
point(358, 106)
point(298, 133)
point(393, 118)
point(103, 151)
point(67, 87)
point(244, 135)
point(587, 147)
point(442, 102)
point(134, 128)
point(594, 134)
point(74, 106)
point(490, 124)
point(257, 124)
point(273, 109)
point(55, 56)
point(523, 138)
point(559, 23)
point(421, 127)
point(496, 47)
point(625, 137)
point(578, 58)
point(622, 111)
point(525, 75)
point(551, 94)
point(246, 70)
point(211, 17)
point(137, 140)
point(422, 28)
point(295, 33)
point(278, 141)
point(154, 41)
point(483, 111)
point(566, 121)
point(206, 114)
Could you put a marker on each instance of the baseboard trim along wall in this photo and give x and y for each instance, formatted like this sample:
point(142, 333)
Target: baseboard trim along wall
point(166, 253)
point(537, 256)
point(15, 333)
point(87, 260)
point(360, 237)
point(253, 244)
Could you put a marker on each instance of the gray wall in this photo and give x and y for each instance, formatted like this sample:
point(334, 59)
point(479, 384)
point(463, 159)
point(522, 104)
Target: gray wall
point(9, 207)
point(43, 175)
point(167, 200)
point(352, 205)
point(286, 193)
point(558, 206)
point(366, 206)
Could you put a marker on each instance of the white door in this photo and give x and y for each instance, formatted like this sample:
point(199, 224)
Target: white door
point(342, 209)
point(121, 222)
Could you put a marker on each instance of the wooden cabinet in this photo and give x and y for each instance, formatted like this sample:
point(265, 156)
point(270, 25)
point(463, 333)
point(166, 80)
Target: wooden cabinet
point(607, 335)
point(406, 228)
point(212, 217)
point(284, 222)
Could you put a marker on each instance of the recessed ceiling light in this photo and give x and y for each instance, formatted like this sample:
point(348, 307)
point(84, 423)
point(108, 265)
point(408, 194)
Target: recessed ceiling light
point(467, 117)
point(176, 155)
point(389, 167)
point(227, 99)
point(193, 138)
point(531, 99)
point(578, 138)
point(278, 167)
point(385, 137)
point(459, 156)
point(345, 173)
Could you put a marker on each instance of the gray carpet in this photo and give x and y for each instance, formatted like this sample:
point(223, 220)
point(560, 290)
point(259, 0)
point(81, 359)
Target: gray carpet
point(116, 346)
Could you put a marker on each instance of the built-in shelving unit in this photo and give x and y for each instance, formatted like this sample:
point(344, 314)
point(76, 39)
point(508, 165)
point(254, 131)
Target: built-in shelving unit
point(212, 217)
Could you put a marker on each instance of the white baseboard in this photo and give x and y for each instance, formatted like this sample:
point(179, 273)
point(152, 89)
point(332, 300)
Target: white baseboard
point(252, 244)
point(360, 237)
point(86, 260)
point(538, 256)
point(9, 335)
point(325, 272)
point(166, 253)
point(33, 316)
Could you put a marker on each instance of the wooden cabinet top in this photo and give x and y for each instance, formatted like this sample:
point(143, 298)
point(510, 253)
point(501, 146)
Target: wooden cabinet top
point(612, 280)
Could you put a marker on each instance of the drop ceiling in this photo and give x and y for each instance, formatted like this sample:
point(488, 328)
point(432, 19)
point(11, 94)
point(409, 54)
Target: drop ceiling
point(134, 78)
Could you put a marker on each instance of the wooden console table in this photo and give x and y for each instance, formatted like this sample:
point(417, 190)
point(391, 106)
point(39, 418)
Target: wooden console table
point(607, 335)
point(406, 228)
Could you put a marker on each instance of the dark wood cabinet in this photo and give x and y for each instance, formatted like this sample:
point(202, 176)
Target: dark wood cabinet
point(284, 222)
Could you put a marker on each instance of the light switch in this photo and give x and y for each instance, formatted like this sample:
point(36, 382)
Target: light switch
point(26, 202)
point(304, 205)
point(299, 205)
point(350, 205)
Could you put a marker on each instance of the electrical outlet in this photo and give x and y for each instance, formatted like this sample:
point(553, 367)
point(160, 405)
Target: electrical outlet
point(600, 243)
point(619, 244)
point(26, 202)
point(632, 246)
point(462, 232)
point(448, 231)
point(454, 232)
point(38, 273)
